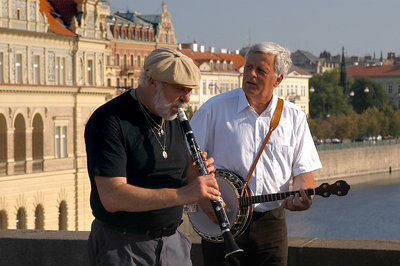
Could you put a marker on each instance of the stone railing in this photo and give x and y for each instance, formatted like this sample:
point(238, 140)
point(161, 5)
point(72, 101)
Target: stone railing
point(48, 248)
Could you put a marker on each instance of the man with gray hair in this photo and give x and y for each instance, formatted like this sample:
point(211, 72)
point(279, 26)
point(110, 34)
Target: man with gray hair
point(140, 170)
point(232, 128)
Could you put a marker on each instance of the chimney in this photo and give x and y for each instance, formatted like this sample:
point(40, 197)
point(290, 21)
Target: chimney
point(180, 46)
point(202, 48)
point(194, 47)
point(212, 49)
point(237, 51)
point(224, 51)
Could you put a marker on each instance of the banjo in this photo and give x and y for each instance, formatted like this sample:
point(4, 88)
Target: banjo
point(240, 209)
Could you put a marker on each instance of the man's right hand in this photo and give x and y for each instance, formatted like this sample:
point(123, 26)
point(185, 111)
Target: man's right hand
point(200, 187)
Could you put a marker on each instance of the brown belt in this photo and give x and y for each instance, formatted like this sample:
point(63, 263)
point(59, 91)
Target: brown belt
point(168, 231)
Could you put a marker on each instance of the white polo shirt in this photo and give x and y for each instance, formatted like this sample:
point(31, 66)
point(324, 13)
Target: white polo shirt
point(231, 132)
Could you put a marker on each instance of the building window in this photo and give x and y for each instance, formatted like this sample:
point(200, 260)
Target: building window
point(132, 83)
point(39, 217)
point(62, 216)
point(18, 14)
point(204, 87)
point(132, 60)
point(117, 60)
point(60, 71)
point(21, 219)
point(18, 68)
point(90, 72)
point(3, 220)
point(36, 70)
point(390, 89)
point(125, 61)
point(108, 60)
point(125, 83)
point(61, 141)
point(118, 82)
point(138, 61)
point(108, 82)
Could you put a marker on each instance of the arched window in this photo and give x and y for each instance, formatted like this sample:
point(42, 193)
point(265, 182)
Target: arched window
point(122, 34)
point(37, 143)
point(19, 144)
point(3, 220)
point(39, 217)
point(3, 144)
point(62, 216)
point(21, 218)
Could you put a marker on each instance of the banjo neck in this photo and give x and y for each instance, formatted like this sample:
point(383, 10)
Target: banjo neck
point(246, 201)
point(339, 188)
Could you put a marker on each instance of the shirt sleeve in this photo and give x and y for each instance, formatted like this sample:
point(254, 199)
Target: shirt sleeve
point(306, 157)
point(105, 149)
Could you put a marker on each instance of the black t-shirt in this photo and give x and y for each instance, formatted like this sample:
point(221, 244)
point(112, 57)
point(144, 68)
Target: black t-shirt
point(119, 142)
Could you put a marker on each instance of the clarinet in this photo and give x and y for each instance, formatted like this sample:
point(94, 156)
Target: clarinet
point(230, 245)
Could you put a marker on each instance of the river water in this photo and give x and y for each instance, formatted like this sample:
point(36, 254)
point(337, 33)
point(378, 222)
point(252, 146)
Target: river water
point(369, 211)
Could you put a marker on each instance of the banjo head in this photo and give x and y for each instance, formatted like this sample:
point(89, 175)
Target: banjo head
point(230, 187)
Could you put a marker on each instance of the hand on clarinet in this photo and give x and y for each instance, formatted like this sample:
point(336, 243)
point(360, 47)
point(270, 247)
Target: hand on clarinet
point(201, 187)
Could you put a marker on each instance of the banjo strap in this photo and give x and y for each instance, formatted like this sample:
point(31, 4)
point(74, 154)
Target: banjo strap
point(274, 124)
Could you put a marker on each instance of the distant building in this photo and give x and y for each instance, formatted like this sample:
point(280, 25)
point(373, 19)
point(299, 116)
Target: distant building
point(220, 72)
point(312, 64)
point(387, 76)
point(52, 77)
point(133, 37)
point(295, 88)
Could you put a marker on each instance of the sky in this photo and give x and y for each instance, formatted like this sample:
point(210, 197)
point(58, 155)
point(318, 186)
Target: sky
point(362, 27)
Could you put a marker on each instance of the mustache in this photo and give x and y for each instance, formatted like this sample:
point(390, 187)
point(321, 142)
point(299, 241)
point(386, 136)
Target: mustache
point(178, 104)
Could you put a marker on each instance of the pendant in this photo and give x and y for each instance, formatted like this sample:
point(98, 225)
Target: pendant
point(164, 154)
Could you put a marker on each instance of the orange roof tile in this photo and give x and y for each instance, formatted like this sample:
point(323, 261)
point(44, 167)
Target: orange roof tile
point(374, 71)
point(55, 24)
point(237, 59)
point(299, 71)
point(206, 56)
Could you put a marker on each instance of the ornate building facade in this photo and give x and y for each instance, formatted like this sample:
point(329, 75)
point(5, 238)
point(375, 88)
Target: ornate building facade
point(133, 37)
point(52, 77)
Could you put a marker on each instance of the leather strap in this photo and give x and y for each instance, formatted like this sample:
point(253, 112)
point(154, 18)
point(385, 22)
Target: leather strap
point(273, 125)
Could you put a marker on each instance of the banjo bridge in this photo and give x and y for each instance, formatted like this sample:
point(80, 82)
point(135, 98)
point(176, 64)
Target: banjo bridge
point(191, 208)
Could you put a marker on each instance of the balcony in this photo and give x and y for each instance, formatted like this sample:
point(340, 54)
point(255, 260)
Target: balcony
point(127, 71)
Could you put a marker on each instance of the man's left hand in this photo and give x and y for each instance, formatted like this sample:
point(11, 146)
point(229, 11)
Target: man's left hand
point(298, 202)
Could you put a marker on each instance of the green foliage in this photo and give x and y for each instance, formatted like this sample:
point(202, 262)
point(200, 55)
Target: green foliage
point(365, 98)
point(328, 97)
point(336, 114)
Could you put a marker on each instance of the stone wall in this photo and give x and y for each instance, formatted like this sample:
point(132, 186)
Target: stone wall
point(358, 161)
point(48, 248)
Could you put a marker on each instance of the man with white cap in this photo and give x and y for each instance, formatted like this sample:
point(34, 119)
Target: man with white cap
point(140, 170)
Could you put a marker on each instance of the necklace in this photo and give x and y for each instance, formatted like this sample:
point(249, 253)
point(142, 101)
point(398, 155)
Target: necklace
point(154, 126)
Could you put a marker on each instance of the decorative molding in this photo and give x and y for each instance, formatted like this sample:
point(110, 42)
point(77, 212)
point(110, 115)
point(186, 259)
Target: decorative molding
point(21, 202)
point(62, 196)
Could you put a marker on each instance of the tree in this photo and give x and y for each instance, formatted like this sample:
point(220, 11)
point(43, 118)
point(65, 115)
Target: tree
point(327, 97)
point(366, 94)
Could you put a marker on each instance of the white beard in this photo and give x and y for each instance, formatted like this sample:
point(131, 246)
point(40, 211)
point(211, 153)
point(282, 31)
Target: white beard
point(162, 106)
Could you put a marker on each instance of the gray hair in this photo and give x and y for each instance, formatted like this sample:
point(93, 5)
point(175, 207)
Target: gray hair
point(143, 79)
point(282, 59)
